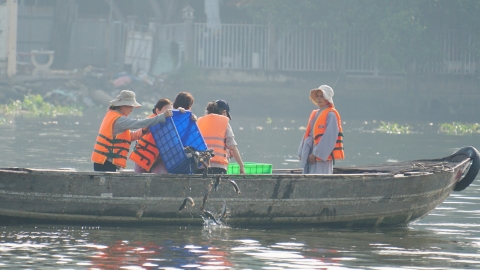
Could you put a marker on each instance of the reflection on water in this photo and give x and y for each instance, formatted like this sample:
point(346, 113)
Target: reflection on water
point(448, 238)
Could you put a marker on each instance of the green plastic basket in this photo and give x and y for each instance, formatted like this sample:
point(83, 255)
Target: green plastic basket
point(250, 168)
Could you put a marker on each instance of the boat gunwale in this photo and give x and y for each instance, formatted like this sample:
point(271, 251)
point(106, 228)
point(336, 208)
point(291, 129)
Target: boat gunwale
point(122, 174)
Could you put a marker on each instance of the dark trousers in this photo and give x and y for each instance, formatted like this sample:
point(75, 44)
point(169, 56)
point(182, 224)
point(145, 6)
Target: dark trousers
point(105, 167)
point(213, 170)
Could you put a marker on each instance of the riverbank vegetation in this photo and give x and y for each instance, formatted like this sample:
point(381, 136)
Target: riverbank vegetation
point(454, 128)
point(393, 128)
point(35, 106)
point(459, 128)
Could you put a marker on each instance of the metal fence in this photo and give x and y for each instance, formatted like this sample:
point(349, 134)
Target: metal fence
point(234, 46)
point(458, 58)
point(243, 46)
point(240, 46)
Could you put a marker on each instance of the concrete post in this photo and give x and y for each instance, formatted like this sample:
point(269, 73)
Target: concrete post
point(189, 34)
point(12, 10)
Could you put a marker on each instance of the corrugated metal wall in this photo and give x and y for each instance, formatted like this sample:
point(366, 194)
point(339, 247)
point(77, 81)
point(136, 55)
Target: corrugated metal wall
point(35, 26)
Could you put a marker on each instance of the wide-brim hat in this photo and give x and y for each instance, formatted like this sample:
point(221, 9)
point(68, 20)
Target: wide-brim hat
point(327, 94)
point(125, 98)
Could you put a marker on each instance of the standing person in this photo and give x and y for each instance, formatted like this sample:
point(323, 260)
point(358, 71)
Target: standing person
point(218, 136)
point(146, 154)
point(322, 143)
point(114, 137)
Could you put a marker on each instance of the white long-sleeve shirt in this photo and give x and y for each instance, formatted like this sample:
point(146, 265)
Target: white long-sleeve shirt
point(323, 149)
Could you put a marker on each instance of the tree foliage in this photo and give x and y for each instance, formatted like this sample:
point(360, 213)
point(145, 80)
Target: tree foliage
point(403, 34)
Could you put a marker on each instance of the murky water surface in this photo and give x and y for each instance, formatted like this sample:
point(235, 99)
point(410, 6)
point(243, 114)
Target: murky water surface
point(448, 238)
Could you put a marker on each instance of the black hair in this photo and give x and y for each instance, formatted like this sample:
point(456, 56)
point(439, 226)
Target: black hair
point(161, 103)
point(184, 100)
point(212, 107)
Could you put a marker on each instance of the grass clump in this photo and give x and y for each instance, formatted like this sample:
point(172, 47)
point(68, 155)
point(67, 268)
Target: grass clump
point(393, 128)
point(35, 106)
point(459, 128)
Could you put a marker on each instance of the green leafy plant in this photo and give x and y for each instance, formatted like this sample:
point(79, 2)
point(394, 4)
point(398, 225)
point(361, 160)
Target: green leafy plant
point(35, 106)
point(459, 128)
point(393, 128)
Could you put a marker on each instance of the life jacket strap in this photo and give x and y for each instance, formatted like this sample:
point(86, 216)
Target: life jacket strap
point(110, 154)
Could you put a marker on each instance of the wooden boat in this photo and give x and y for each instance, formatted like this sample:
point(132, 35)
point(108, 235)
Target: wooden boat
point(391, 194)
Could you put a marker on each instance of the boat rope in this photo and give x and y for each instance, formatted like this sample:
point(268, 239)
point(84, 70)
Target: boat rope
point(426, 167)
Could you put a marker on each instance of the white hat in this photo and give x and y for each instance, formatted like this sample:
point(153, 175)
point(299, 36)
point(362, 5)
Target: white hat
point(125, 98)
point(327, 93)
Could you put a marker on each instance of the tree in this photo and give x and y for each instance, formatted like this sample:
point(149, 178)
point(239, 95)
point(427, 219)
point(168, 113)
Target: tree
point(404, 34)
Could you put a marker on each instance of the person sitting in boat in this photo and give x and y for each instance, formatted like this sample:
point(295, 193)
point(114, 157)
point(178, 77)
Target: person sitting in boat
point(146, 155)
point(218, 135)
point(114, 137)
point(184, 100)
point(322, 143)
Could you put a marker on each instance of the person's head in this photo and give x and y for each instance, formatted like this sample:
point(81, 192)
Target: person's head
point(162, 105)
point(124, 102)
point(322, 96)
point(219, 107)
point(184, 100)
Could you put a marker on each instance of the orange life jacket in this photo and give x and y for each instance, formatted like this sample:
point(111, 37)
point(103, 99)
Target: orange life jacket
point(145, 152)
point(213, 128)
point(107, 146)
point(319, 130)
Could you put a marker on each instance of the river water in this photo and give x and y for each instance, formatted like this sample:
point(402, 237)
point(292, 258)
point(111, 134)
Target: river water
point(448, 238)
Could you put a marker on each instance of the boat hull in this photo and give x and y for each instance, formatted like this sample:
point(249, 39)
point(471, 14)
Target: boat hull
point(353, 199)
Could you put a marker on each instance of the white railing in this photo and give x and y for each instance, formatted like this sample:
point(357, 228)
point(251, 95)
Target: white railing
point(244, 46)
point(232, 46)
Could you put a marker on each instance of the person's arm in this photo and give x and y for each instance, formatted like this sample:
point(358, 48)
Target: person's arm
point(193, 117)
point(124, 123)
point(326, 145)
point(137, 134)
point(232, 148)
point(236, 155)
point(300, 149)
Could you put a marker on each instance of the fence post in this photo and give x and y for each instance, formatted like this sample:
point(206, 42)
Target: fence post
point(12, 11)
point(187, 16)
point(272, 41)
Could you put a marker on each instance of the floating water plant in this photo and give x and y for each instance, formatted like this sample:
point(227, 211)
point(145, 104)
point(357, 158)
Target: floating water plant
point(393, 128)
point(459, 128)
point(33, 105)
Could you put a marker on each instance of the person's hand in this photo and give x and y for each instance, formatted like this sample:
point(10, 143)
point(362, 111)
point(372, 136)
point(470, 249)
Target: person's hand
point(242, 170)
point(193, 117)
point(168, 113)
point(182, 110)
